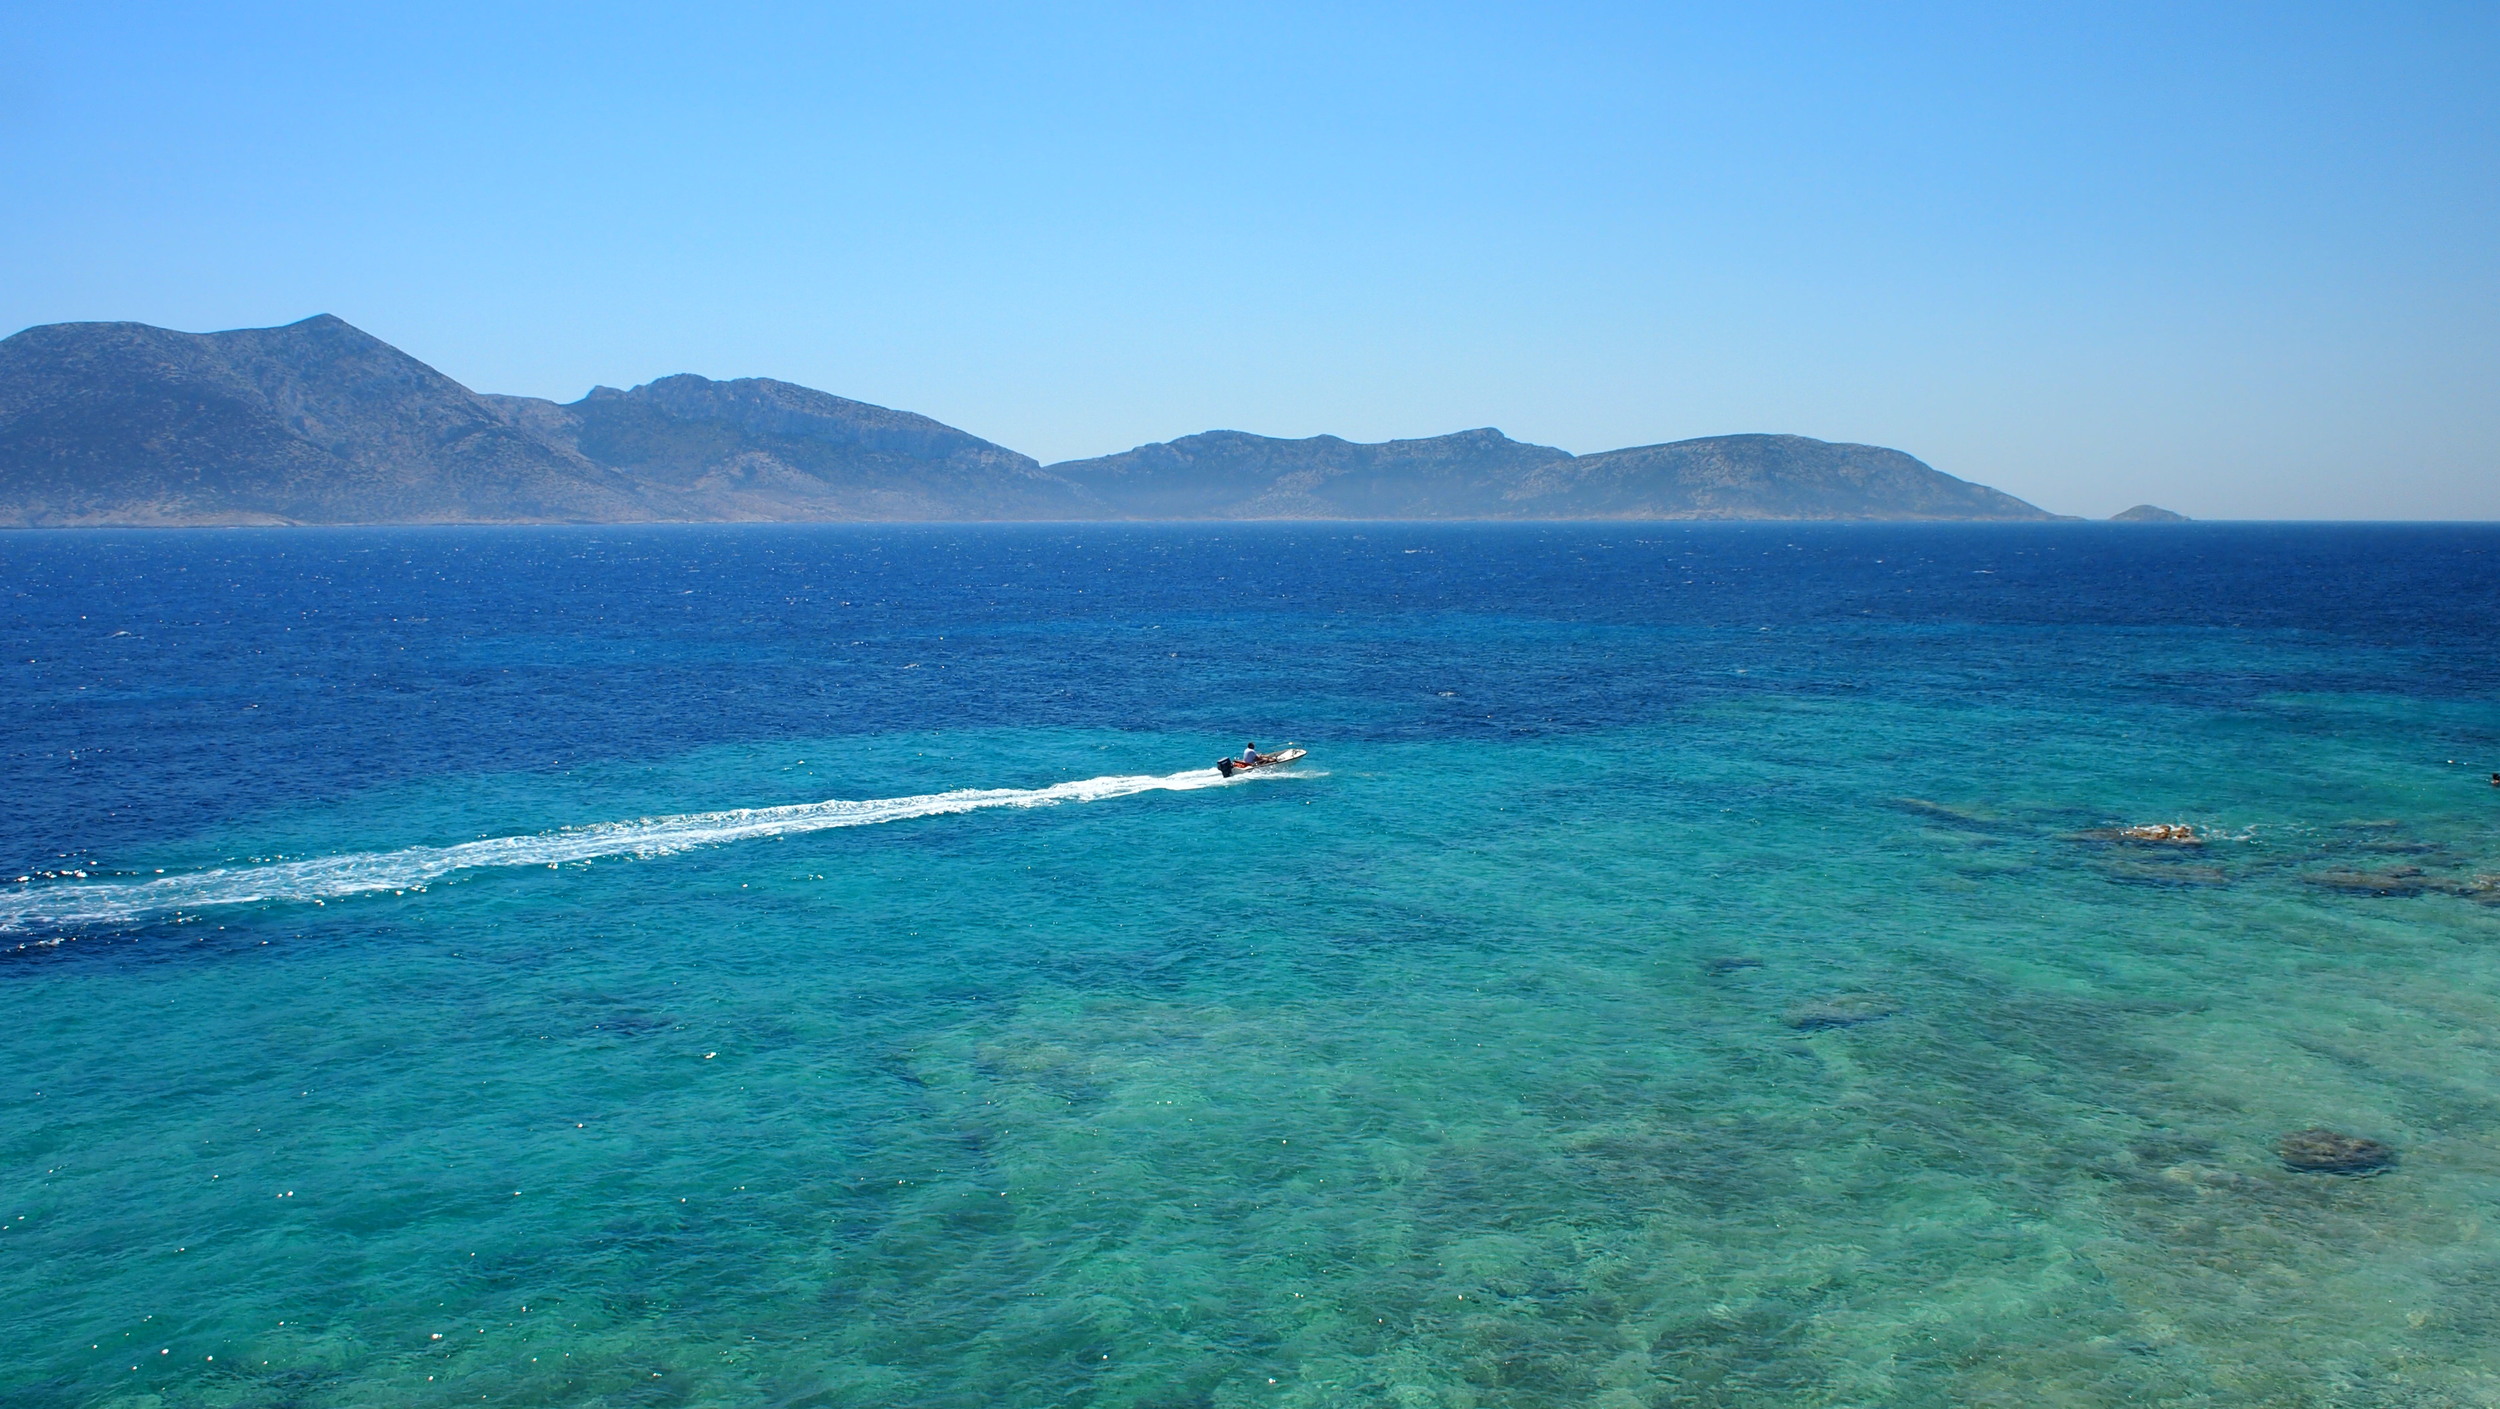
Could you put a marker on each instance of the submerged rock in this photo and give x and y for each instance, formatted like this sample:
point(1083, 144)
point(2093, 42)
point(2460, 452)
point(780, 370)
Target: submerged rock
point(2395, 880)
point(2319, 1150)
point(1963, 817)
point(2166, 873)
point(1843, 1010)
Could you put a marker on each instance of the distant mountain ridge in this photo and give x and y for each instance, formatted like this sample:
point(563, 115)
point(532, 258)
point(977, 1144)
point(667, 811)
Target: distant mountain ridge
point(1483, 474)
point(319, 422)
point(765, 450)
point(1234, 475)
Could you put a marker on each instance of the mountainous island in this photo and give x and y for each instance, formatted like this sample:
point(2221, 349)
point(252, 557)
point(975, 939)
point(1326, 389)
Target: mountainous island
point(320, 423)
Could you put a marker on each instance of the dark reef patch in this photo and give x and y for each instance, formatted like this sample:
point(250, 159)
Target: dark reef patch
point(2395, 880)
point(1843, 1010)
point(1969, 819)
point(2141, 873)
point(2319, 1150)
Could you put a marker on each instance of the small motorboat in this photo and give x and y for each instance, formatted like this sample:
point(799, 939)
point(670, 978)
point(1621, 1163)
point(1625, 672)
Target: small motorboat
point(1229, 766)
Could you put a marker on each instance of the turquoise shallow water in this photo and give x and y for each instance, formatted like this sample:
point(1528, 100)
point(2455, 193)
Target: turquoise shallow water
point(1641, 996)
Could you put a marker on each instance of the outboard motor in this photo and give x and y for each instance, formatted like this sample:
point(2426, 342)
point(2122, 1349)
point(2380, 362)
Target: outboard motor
point(1225, 766)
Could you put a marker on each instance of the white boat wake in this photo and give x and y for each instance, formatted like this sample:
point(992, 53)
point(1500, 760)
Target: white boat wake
point(321, 878)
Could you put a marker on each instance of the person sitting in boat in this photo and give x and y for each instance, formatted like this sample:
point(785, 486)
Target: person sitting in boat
point(1249, 754)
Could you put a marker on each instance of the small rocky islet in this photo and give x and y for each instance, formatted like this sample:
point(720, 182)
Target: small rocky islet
point(2142, 834)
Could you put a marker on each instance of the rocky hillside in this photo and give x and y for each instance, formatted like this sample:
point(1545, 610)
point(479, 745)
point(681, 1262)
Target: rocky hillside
point(1756, 477)
point(1231, 475)
point(764, 450)
point(314, 422)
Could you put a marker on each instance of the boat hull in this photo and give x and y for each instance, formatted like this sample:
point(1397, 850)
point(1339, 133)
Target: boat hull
point(1230, 766)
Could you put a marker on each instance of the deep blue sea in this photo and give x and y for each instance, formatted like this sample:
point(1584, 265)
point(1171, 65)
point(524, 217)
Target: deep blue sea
point(817, 966)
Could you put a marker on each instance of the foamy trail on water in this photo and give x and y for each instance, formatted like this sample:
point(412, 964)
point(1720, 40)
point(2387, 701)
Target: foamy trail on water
point(51, 907)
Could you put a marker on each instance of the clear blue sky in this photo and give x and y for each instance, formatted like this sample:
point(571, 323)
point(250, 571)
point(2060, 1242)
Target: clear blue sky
point(2241, 260)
